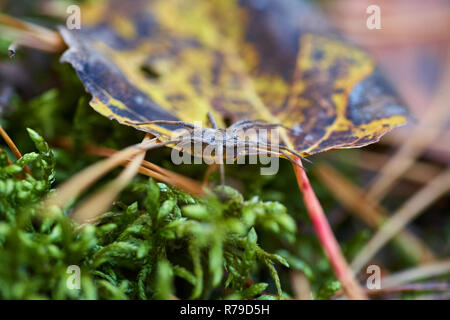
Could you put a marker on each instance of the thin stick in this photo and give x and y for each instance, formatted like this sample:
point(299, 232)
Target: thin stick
point(354, 199)
point(410, 210)
point(329, 243)
point(13, 147)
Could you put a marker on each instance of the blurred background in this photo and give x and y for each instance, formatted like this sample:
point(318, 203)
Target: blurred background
point(413, 49)
point(401, 182)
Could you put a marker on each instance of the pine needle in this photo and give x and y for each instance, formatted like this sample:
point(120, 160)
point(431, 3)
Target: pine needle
point(354, 199)
point(410, 210)
point(420, 172)
point(417, 273)
point(147, 168)
point(83, 180)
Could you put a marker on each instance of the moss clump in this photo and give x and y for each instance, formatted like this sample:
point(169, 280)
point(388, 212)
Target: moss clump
point(137, 250)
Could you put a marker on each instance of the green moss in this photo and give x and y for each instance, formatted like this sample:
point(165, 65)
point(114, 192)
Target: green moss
point(137, 249)
point(156, 242)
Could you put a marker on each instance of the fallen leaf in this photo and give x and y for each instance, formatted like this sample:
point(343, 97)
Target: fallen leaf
point(276, 61)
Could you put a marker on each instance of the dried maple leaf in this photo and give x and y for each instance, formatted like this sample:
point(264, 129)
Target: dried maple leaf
point(272, 60)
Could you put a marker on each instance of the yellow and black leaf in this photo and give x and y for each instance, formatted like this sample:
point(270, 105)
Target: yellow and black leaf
point(274, 60)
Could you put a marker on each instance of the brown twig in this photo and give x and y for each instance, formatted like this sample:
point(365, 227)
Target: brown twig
point(323, 230)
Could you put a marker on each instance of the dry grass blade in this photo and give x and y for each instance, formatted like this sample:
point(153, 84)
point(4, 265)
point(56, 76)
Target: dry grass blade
point(353, 198)
point(92, 208)
point(88, 176)
point(413, 207)
point(418, 273)
point(428, 130)
point(323, 230)
point(13, 147)
point(147, 168)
